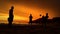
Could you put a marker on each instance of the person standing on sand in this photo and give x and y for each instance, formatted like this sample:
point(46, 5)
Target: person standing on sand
point(11, 16)
point(30, 19)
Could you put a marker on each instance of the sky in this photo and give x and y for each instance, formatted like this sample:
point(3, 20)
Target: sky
point(23, 8)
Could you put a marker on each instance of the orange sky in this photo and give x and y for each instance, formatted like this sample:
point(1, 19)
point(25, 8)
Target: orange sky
point(22, 12)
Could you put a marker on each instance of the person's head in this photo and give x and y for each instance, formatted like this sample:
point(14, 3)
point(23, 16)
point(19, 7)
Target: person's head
point(30, 14)
point(12, 7)
point(40, 14)
point(46, 14)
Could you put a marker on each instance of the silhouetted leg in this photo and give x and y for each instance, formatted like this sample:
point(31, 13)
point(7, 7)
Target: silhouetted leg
point(44, 27)
point(30, 23)
point(10, 24)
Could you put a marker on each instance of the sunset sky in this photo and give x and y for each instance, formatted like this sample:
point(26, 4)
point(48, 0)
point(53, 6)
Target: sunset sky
point(23, 8)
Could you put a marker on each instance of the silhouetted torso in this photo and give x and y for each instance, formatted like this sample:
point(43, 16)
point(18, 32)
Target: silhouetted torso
point(11, 12)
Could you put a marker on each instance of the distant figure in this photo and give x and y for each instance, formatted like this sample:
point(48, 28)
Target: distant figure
point(44, 21)
point(46, 18)
point(10, 19)
point(30, 18)
point(43, 18)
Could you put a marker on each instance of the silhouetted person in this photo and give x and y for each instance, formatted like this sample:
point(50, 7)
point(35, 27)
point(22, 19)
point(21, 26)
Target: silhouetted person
point(10, 19)
point(30, 18)
point(46, 18)
point(44, 21)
